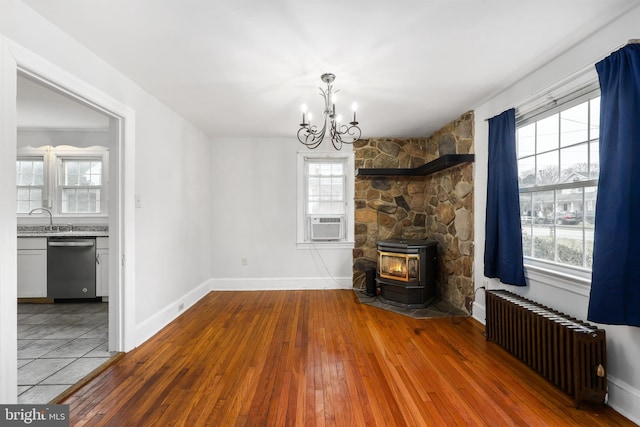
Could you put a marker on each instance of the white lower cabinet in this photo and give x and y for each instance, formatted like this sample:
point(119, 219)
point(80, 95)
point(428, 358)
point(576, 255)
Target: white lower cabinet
point(102, 266)
point(32, 267)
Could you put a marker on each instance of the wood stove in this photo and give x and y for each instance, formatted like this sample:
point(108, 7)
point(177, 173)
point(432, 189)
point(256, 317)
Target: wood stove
point(407, 272)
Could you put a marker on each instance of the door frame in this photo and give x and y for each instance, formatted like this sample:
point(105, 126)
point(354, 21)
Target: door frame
point(8, 221)
point(122, 218)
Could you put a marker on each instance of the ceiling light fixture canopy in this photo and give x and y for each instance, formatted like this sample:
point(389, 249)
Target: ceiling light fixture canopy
point(311, 135)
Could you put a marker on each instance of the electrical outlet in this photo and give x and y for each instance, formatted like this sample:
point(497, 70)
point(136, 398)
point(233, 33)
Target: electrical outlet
point(181, 306)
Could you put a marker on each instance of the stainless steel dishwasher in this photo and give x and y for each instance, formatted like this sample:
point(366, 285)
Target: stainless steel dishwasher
point(71, 268)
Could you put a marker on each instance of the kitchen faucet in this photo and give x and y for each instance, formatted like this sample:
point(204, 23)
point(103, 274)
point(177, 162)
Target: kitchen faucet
point(47, 211)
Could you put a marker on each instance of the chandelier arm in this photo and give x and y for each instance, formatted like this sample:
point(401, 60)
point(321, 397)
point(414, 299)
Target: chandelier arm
point(353, 132)
point(336, 139)
point(311, 136)
point(307, 138)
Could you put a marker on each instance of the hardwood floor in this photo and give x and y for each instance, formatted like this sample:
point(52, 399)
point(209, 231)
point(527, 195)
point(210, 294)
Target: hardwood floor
point(319, 358)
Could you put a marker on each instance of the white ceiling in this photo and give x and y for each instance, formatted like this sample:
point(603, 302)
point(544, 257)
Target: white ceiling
point(242, 68)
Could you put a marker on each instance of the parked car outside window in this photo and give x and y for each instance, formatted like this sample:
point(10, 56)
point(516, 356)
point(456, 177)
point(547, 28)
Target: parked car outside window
point(568, 218)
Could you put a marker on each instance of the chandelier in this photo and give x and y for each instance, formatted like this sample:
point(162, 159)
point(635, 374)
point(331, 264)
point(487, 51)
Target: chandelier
point(312, 135)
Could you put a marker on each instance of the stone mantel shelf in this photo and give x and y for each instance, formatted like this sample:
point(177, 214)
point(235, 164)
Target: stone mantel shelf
point(441, 163)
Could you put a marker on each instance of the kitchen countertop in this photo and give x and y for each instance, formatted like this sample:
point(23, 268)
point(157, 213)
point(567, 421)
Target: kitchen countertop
point(63, 230)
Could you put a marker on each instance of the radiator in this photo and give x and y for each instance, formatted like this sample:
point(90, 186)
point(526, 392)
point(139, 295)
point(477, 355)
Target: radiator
point(566, 351)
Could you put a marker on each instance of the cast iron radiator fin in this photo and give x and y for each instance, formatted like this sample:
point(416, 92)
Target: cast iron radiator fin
point(566, 351)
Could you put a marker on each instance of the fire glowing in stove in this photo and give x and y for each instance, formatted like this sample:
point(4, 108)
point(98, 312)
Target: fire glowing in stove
point(396, 267)
point(393, 266)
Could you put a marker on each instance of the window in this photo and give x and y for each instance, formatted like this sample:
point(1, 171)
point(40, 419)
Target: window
point(558, 166)
point(325, 198)
point(325, 187)
point(81, 185)
point(30, 183)
point(69, 181)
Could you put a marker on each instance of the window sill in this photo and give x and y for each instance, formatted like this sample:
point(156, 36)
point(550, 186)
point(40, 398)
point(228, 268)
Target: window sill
point(578, 284)
point(324, 245)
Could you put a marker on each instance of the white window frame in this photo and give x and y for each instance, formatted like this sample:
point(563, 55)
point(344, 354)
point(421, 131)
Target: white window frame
point(303, 240)
point(36, 157)
point(61, 186)
point(560, 99)
point(52, 196)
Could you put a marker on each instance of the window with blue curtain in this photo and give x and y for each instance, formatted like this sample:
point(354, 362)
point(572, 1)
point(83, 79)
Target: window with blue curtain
point(615, 282)
point(503, 241)
point(558, 168)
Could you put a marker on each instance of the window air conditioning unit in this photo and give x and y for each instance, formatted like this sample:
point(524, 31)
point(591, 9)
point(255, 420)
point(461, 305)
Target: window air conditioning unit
point(326, 227)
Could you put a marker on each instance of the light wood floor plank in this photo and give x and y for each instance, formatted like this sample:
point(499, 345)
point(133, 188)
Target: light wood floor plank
point(320, 358)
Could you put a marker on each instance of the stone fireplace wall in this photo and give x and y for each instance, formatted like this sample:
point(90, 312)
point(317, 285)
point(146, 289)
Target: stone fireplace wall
point(449, 196)
point(438, 206)
point(386, 207)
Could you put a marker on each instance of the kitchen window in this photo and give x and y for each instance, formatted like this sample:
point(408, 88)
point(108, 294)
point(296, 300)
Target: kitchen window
point(558, 167)
point(30, 183)
point(80, 185)
point(67, 180)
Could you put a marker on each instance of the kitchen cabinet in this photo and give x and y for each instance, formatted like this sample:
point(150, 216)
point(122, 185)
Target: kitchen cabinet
point(102, 266)
point(32, 267)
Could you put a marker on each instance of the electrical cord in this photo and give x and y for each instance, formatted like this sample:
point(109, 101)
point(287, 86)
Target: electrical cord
point(365, 299)
point(319, 256)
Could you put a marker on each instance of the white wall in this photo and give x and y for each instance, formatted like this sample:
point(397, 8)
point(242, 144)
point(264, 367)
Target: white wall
point(623, 343)
point(172, 160)
point(253, 197)
point(173, 223)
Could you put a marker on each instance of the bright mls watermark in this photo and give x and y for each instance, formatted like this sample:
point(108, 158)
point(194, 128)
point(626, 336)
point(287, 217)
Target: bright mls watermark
point(34, 415)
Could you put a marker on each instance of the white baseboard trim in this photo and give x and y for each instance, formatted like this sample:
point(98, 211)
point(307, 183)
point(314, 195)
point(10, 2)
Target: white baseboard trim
point(162, 318)
point(479, 313)
point(624, 399)
point(280, 283)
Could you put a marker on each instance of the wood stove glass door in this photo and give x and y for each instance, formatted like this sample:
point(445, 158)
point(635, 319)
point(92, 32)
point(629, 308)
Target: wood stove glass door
point(404, 267)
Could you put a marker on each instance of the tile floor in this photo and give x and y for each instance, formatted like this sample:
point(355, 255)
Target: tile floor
point(58, 345)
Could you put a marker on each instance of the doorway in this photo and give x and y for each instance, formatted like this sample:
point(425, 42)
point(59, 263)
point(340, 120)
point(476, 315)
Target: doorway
point(65, 148)
point(14, 59)
point(121, 314)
